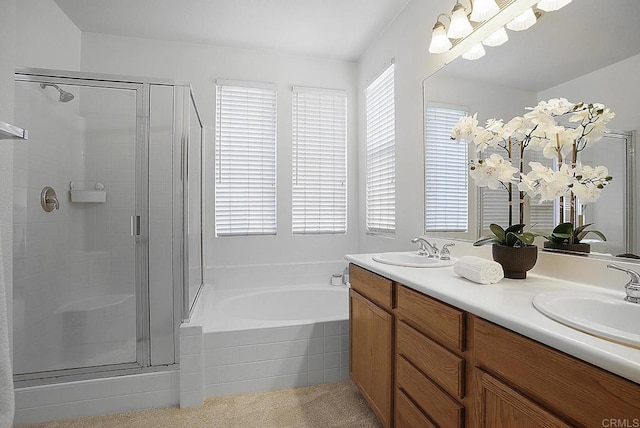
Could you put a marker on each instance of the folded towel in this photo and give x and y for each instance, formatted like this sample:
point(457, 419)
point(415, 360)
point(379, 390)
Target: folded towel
point(479, 270)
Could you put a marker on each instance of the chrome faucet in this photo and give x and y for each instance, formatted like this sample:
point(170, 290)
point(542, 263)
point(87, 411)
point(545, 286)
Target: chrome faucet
point(426, 248)
point(632, 288)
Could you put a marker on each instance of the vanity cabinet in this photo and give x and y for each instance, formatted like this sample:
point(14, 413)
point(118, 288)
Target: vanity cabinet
point(371, 335)
point(543, 383)
point(430, 363)
point(420, 362)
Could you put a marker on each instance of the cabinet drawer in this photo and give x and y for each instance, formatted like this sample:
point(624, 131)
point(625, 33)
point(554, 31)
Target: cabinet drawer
point(442, 366)
point(441, 408)
point(583, 394)
point(372, 286)
point(408, 415)
point(439, 321)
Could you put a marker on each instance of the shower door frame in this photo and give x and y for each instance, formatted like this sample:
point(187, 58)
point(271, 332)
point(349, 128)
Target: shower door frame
point(143, 303)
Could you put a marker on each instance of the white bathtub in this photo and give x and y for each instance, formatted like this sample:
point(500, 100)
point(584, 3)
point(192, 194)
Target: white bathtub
point(265, 339)
point(227, 310)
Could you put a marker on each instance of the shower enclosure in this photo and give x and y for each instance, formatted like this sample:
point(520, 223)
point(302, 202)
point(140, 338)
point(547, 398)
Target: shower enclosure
point(107, 223)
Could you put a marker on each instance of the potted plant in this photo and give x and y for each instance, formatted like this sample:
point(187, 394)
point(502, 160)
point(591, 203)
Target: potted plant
point(512, 249)
point(569, 181)
point(573, 184)
point(567, 238)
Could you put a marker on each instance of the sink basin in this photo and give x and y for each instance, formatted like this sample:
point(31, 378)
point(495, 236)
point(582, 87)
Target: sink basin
point(411, 259)
point(598, 314)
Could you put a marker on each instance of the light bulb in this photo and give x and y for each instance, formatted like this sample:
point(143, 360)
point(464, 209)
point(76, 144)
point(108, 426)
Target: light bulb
point(525, 20)
point(483, 10)
point(498, 38)
point(460, 26)
point(477, 51)
point(552, 5)
point(439, 41)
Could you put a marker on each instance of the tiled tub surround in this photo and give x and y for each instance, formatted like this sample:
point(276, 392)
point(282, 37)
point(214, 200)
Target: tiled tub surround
point(248, 355)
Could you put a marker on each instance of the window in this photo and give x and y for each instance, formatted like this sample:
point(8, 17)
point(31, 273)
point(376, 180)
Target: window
point(245, 164)
point(319, 199)
point(446, 195)
point(381, 163)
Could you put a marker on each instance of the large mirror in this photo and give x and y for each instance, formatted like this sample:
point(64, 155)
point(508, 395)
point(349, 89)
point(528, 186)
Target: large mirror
point(588, 51)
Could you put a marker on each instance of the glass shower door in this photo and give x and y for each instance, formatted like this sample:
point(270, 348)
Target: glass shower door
point(76, 277)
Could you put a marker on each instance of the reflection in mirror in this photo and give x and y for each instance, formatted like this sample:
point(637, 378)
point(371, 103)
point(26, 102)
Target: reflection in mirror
point(588, 51)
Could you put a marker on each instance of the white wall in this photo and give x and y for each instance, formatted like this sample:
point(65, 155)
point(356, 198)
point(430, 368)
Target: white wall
point(202, 65)
point(615, 86)
point(406, 40)
point(46, 37)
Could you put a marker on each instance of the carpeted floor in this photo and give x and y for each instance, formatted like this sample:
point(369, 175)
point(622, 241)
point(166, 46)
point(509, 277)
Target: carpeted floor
point(337, 405)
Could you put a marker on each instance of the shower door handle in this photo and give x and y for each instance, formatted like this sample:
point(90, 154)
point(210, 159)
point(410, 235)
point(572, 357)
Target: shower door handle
point(135, 225)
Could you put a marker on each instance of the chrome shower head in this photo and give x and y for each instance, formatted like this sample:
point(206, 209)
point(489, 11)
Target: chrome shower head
point(65, 96)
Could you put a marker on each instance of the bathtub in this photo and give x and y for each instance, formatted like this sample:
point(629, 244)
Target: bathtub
point(264, 339)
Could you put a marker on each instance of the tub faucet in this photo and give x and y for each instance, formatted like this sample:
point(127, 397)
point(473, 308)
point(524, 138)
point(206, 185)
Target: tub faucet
point(426, 248)
point(632, 288)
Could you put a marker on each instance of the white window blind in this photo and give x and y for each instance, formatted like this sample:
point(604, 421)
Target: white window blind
point(381, 164)
point(446, 170)
point(245, 163)
point(319, 191)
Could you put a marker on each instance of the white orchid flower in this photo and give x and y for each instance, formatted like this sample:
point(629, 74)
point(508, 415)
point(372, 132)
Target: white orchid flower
point(465, 128)
point(493, 172)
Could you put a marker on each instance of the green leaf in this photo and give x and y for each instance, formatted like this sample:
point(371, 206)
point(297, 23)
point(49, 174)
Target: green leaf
point(524, 239)
point(498, 231)
point(579, 229)
point(563, 228)
point(581, 236)
point(517, 228)
point(486, 240)
point(527, 237)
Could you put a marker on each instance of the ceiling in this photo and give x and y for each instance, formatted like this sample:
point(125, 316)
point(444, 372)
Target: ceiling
point(584, 36)
point(333, 29)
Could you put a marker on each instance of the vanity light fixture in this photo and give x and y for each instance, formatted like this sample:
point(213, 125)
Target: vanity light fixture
point(525, 20)
point(443, 39)
point(439, 41)
point(484, 9)
point(552, 5)
point(476, 52)
point(460, 26)
point(499, 37)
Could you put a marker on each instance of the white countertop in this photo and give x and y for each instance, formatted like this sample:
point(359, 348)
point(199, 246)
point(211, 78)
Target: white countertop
point(509, 304)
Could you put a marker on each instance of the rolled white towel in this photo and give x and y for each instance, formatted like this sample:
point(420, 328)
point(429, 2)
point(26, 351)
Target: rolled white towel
point(479, 270)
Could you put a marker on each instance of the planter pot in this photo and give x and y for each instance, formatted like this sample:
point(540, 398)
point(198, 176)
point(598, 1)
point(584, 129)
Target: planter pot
point(568, 248)
point(515, 261)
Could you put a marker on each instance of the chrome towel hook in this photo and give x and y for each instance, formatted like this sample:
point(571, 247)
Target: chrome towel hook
point(49, 199)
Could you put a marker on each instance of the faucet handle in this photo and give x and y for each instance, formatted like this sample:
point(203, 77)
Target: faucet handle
point(445, 254)
point(632, 288)
point(635, 276)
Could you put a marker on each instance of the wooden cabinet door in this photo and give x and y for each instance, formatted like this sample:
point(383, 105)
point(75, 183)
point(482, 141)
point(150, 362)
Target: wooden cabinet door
point(502, 406)
point(371, 354)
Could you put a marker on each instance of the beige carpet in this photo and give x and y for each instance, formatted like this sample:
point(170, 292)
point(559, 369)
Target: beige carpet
point(337, 405)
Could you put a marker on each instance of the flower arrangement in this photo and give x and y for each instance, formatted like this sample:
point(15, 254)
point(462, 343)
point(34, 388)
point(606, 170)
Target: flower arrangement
point(539, 129)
